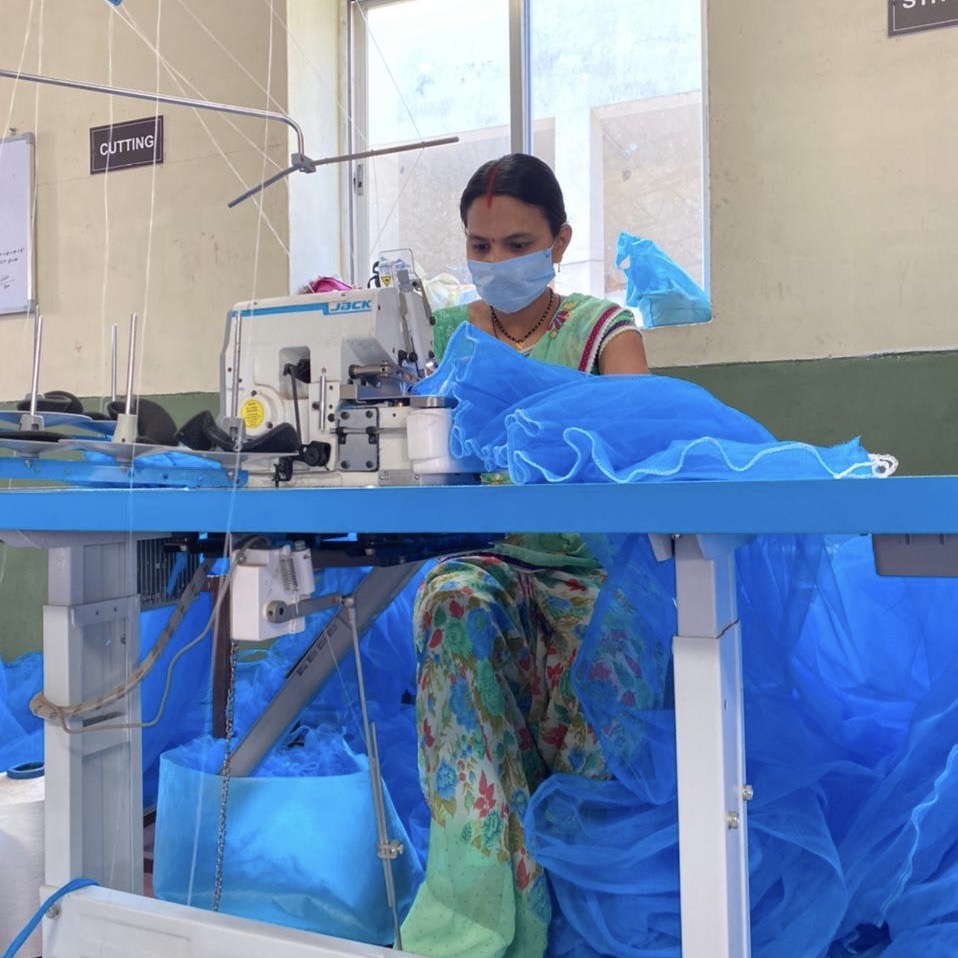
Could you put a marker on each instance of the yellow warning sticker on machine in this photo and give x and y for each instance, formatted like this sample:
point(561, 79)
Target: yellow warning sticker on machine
point(253, 413)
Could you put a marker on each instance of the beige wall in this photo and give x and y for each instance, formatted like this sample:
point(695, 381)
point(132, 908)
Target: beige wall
point(159, 242)
point(834, 219)
point(832, 223)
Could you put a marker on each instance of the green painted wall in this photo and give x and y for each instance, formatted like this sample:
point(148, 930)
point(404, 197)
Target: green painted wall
point(23, 590)
point(906, 405)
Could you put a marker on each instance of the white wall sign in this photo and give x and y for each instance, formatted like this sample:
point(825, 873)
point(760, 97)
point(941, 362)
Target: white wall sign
point(909, 16)
point(16, 224)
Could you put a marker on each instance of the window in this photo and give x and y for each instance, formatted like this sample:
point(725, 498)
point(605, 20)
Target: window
point(616, 94)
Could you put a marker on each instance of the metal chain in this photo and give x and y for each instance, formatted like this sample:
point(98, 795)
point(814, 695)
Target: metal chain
point(225, 778)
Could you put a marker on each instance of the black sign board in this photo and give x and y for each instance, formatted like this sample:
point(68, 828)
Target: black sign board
point(907, 16)
point(123, 145)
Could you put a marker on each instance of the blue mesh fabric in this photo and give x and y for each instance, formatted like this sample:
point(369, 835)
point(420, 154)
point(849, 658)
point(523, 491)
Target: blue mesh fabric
point(389, 670)
point(663, 291)
point(546, 423)
point(850, 691)
point(21, 733)
point(851, 725)
point(300, 842)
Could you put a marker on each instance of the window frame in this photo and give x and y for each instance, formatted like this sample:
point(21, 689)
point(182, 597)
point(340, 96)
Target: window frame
point(520, 107)
point(520, 127)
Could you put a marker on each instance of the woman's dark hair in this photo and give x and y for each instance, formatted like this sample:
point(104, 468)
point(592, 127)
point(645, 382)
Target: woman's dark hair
point(522, 177)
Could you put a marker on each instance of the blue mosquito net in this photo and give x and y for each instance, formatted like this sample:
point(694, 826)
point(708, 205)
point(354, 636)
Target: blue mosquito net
point(21, 732)
point(545, 423)
point(851, 689)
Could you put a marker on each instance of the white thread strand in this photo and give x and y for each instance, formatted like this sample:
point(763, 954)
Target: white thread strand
point(884, 464)
point(7, 128)
point(23, 57)
point(185, 86)
point(332, 92)
point(271, 102)
point(152, 220)
point(260, 199)
point(105, 324)
point(374, 247)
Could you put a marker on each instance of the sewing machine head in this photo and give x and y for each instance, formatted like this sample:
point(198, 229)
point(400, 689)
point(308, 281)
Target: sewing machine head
point(324, 381)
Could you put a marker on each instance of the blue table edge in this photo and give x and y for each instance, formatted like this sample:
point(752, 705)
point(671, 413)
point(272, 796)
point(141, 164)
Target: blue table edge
point(906, 504)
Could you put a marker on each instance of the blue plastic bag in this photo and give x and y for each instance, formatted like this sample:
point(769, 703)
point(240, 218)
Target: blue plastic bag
point(300, 847)
point(663, 291)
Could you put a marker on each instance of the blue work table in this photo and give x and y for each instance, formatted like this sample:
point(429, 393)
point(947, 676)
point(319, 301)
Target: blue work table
point(94, 805)
point(918, 504)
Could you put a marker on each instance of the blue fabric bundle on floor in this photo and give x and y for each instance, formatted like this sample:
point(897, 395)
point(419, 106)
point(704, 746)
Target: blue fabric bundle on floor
point(851, 703)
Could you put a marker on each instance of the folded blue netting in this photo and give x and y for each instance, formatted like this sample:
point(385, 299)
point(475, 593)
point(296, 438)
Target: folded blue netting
point(546, 423)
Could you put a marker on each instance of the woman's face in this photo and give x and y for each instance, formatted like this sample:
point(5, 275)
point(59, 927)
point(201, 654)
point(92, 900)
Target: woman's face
point(505, 228)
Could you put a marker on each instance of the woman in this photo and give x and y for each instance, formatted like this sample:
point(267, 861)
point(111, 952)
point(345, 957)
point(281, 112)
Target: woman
point(497, 633)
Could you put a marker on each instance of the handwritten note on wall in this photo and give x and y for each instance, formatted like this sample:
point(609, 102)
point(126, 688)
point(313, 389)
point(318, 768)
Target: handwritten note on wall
point(16, 224)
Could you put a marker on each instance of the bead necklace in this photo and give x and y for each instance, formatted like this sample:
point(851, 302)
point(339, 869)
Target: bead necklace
point(499, 328)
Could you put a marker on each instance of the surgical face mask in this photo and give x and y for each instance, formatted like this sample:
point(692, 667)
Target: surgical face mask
point(510, 284)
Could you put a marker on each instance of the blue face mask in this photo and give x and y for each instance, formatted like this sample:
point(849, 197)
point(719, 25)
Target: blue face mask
point(510, 284)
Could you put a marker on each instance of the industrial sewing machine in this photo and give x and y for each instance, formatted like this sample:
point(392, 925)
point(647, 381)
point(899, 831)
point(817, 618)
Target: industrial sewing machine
point(315, 390)
point(323, 380)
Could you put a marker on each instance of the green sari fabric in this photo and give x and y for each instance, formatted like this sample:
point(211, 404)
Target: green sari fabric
point(497, 635)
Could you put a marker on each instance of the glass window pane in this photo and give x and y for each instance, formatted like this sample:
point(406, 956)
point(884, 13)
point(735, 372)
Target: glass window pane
point(617, 111)
point(430, 74)
point(621, 83)
point(653, 179)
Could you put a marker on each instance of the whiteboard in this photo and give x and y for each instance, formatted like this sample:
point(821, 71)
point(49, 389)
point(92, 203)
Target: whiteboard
point(16, 224)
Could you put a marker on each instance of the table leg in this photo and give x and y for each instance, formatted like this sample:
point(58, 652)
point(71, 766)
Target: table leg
point(713, 851)
point(94, 791)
